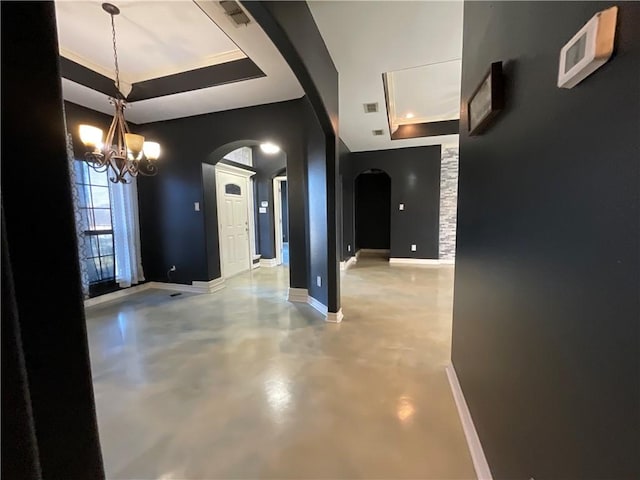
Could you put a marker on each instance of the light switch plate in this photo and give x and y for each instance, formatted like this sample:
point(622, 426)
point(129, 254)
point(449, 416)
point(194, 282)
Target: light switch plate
point(262, 210)
point(349, 248)
point(196, 206)
point(414, 247)
point(402, 206)
point(319, 280)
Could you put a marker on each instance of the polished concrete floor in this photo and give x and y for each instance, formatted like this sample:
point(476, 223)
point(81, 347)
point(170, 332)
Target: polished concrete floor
point(243, 384)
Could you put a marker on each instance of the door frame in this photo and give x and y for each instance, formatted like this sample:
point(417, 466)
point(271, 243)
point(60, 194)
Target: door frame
point(277, 215)
point(248, 186)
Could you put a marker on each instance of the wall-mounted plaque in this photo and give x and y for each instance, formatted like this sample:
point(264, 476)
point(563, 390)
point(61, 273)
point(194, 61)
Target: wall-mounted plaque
point(486, 101)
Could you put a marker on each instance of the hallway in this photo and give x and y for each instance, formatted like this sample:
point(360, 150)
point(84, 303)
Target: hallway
point(243, 384)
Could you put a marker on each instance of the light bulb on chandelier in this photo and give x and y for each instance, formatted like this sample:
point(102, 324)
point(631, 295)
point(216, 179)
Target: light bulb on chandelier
point(124, 152)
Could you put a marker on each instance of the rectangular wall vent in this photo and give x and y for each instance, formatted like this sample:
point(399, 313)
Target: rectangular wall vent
point(377, 133)
point(371, 107)
point(236, 13)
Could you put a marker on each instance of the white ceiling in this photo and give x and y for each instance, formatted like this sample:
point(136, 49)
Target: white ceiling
point(150, 46)
point(366, 39)
point(430, 93)
point(162, 38)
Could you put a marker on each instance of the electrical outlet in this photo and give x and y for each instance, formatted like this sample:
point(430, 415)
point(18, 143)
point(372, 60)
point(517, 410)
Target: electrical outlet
point(414, 247)
point(401, 206)
point(196, 206)
point(319, 280)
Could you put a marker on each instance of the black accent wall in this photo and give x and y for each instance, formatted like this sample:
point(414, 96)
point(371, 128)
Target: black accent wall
point(292, 29)
point(317, 175)
point(267, 166)
point(49, 425)
point(347, 218)
point(172, 233)
point(546, 330)
point(415, 181)
point(373, 210)
point(285, 211)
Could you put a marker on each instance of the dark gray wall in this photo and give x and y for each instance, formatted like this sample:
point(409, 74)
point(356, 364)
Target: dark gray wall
point(210, 217)
point(267, 167)
point(346, 207)
point(373, 210)
point(292, 29)
point(546, 339)
point(172, 233)
point(317, 175)
point(415, 181)
point(285, 211)
point(49, 425)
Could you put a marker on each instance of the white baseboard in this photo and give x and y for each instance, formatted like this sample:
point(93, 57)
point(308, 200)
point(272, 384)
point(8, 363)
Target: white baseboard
point(473, 441)
point(195, 287)
point(447, 261)
point(109, 297)
point(414, 261)
point(210, 286)
point(318, 305)
point(334, 317)
point(300, 295)
point(346, 264)
point(268, 262)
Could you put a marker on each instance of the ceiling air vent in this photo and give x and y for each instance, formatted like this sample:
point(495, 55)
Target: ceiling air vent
point(377, 133)
point(236, 13)
point(371, 107)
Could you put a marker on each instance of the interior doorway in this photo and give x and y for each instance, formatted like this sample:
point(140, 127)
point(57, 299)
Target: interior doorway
point(235, 210)
point(281, 219)
point(373, 211)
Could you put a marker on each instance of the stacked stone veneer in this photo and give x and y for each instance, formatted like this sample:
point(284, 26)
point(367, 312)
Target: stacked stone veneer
point(448, 202)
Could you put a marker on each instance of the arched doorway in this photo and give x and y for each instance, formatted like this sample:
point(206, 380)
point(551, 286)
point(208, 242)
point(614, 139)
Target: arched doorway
point(373, 211)
point(240, 205)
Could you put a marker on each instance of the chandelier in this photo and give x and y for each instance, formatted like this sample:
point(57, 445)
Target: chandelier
point(122, 151)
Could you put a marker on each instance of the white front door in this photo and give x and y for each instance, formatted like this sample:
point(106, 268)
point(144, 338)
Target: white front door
point(233, 221)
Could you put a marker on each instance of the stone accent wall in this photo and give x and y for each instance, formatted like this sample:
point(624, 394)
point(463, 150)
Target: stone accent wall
point(448, 202)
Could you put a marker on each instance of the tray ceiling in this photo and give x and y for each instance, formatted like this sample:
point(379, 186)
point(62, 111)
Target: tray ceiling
point(181, 58)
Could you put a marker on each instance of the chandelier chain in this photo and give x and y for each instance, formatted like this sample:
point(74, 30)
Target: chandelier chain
point(115, 52)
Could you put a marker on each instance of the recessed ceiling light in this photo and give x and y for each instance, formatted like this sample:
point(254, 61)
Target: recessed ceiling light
point(410, 115)
point(269, 148)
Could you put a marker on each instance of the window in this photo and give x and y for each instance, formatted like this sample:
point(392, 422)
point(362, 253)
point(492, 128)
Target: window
point(241, 155)
point(95, 212)
point(232, 189)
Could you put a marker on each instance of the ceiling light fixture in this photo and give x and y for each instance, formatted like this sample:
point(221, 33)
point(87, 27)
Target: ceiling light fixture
point(123, 151)
point(269, 148)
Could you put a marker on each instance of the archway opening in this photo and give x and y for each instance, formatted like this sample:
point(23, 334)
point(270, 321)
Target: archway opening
point(373, 212)
point(243, 182)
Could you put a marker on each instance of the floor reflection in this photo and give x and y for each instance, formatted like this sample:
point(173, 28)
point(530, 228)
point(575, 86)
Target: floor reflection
point(243, 384)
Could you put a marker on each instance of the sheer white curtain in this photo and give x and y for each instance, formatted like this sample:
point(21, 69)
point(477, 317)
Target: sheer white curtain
point(126, 233)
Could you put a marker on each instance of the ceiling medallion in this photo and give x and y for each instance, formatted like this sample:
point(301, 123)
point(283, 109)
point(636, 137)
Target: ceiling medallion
point(124, 152)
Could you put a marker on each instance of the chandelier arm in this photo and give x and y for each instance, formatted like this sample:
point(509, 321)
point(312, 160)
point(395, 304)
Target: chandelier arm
point(108, 144)
point(96, 161)
point(122, 144)
point(147, 168)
